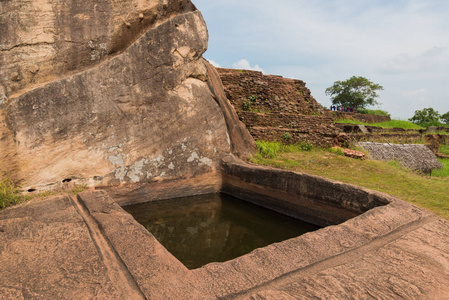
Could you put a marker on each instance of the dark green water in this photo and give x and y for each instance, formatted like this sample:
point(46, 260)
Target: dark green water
point(214, 228)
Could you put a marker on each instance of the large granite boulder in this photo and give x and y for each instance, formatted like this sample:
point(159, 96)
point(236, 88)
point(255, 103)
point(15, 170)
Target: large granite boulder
point(43, 40)
point(107, 93)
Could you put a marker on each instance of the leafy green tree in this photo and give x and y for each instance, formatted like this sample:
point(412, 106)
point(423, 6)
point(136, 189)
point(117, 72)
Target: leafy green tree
point(427, 116)
point(445, 118)
point(356, 92)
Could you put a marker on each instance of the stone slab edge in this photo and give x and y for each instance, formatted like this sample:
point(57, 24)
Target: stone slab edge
point(161, 276)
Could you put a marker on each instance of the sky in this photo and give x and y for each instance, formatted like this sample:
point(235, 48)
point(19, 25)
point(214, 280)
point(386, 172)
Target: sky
point(402, 45)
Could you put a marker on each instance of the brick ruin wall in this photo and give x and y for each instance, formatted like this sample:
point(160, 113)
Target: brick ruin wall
point(274, 108)
point(278, 109)
point(291, 128)
point(355, 116)
point(268, 93)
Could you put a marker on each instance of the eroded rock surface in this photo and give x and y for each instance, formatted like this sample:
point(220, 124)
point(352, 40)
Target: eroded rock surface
point(89, 247)
point(50, 240)
point(140, 112)
point(42, 40)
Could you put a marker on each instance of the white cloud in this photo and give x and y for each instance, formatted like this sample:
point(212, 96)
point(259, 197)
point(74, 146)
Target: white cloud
point(433, 59)
point(215, 64)
point(245, 65)
point(418, 99)
point(401, 45)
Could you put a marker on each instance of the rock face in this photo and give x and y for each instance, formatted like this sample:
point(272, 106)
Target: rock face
point(43, 40)
point(88, 247)
point(130, 104)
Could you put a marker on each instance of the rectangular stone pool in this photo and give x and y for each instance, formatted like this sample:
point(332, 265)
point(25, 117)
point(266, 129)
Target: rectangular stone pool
point(199, 230)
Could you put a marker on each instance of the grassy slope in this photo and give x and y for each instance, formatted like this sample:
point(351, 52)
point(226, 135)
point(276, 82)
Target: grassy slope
point(389, 124)
point(389, 177)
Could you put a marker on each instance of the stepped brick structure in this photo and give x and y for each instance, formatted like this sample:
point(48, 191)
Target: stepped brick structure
point(253, 91)
point(291, 128)
point(277, 108)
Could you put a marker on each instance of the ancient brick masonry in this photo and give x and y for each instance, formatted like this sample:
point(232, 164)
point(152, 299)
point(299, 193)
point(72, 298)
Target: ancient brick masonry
point(290, 128)
point(355, 116)
point(278, 109)
point(268, 93)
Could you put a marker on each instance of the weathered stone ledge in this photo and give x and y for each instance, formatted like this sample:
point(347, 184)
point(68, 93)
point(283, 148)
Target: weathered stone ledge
point(387, 250)
point(161, 276)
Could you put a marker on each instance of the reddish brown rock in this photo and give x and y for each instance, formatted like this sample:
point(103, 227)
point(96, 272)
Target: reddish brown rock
point(89, 247)
point(242, 142)
point(145, 114)
point(46, 252)
point(44, 40)
point(354, 154)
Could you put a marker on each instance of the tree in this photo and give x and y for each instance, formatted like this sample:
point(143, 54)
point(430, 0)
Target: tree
point(445, 118)
point(427, 116)
point(356, 92)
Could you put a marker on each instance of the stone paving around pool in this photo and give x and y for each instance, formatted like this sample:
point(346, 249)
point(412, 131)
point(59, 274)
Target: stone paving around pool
point(88, 247)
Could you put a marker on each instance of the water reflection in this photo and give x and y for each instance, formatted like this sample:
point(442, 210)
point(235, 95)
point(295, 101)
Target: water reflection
point(214, 228)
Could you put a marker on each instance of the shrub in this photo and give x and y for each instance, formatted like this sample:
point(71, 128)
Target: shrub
point(426, 117)
point(268, 149)
point(286, 136)
point(443, 172)
point(337, 151)
point(305, 146)
point(431, 123)
point(9, 193)
point(253, 98)
point(246, 105)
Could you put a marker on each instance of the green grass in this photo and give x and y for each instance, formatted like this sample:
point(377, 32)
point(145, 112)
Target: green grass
point(444, 172)
point(274, 149)
point(268, 149)
point(376, 112)
point(431, 193)
point(444, 149)
point(10, 193)
point(390, 124)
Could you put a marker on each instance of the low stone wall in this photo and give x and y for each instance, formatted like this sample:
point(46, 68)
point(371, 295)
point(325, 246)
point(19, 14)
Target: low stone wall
point(319, 131)
point(167, 189)
point(310, 198)
point(355, 128)
point(355, 116)
point(292, 136)
point(396, 138)
point(277, 119)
